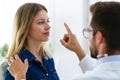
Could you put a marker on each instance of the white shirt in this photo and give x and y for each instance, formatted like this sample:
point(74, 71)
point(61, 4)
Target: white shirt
point(87, 63)
point(106, 68)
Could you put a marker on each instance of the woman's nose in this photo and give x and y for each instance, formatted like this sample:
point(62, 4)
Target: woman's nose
point(47, 26)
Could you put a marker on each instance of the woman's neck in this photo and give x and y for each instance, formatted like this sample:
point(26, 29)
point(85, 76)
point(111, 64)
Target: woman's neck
point(34, 48)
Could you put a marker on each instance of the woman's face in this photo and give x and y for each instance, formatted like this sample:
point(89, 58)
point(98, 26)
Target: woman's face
point(40, 28)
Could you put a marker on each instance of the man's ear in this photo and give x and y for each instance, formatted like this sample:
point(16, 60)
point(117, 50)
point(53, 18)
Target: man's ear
point(100, 43)
point(99, 37)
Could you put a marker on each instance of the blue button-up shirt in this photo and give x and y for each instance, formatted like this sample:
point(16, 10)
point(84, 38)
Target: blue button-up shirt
point(35, 70)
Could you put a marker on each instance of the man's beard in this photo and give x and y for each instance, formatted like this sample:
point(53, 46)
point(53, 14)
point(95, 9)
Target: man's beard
point(93, 53)
point(93, 50)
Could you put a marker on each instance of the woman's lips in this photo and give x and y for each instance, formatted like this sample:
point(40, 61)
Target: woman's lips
point(47, 33)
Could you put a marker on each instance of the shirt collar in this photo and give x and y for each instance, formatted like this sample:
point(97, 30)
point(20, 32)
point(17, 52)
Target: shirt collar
point(27, 54)
point(109, 59)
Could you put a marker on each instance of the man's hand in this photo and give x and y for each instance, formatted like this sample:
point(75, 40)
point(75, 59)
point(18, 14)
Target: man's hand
point(17, 68)
point(70, 42)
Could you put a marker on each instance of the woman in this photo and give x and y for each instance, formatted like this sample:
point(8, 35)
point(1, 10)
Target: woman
point(31, 31)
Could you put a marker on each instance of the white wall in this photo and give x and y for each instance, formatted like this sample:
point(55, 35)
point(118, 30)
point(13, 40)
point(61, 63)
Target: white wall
point(72, 12)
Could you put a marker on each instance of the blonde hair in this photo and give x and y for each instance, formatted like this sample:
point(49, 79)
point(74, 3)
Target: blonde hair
point(23, 19)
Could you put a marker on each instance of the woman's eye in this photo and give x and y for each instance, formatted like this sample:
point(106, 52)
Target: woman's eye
point(40, 22)
point(43, 22)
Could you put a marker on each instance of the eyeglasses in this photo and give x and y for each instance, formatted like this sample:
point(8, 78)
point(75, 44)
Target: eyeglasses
point(86, 32)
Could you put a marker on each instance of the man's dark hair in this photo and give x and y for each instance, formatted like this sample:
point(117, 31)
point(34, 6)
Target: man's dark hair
point(106, 19)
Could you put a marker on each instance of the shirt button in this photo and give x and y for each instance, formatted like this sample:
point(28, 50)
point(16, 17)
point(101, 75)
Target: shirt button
point(46, 74)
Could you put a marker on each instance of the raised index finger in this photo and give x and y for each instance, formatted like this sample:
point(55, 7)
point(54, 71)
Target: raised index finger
point(68, 29)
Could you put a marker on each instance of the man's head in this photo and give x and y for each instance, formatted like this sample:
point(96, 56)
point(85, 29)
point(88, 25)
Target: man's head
point(105, 24)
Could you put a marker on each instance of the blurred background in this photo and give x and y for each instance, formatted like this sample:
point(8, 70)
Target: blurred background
point(74, 12)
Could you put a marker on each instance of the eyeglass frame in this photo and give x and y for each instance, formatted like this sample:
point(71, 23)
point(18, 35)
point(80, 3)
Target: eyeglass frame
point(86, 30)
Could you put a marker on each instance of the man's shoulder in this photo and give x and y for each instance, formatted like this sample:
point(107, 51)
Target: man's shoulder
point(103, 72)
point(93, 75)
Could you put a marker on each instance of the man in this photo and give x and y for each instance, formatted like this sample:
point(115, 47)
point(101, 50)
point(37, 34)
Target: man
point(103, 34)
